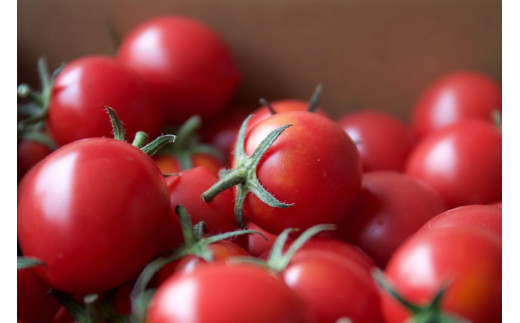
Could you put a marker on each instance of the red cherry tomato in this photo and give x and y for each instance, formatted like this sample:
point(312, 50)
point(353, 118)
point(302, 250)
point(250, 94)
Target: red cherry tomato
point(454, 97)
point(83, 89)
point(483, 216)
point(187, 65)
point(384, 142)
point(462, 162)
point(334, 287)
point(33, 299)
point(221, 131)
point(389, 209)
point(170, 165)
point(221, 293)
point(258, 245)
point(95, 212)
point(280, 106)
point(468, 259)
point(220, 251)
point(339, 248)
point(187, 187)
point(313, 164)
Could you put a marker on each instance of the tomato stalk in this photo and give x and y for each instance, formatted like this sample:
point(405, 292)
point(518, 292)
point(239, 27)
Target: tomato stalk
point(140, 137)
point(430, 313)
point(186, 144)
point(194, 244)
point(279, 260)
point(38, 111)
point(313, 102)
point(244, 174)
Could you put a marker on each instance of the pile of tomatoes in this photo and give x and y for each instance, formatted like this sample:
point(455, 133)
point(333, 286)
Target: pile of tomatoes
point(278, 214)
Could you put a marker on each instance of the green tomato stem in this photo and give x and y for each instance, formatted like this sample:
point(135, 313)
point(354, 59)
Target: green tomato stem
point(244, 174)
point(315, 98)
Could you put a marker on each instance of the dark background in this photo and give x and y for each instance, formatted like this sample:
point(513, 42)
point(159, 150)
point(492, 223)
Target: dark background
point(375, 53)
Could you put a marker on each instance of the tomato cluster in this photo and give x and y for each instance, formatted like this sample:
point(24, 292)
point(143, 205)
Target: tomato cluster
point(279, 214)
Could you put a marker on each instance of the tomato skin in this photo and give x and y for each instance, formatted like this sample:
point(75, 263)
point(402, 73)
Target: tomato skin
point(471, 258)
point(390, 207)
point(483, 216)
point(220, 251)
point(170, 165)
point(384, 142)
point(334, 287)
point(256, 244)
point(187, 187)
point(29, 153)
point(83, 89)
point(454, 97)
point(313, 164)
point(187, 65)
point(281, 106)
point(94, 212)
point(221, 293)
point(33, 301)
point(462, 162)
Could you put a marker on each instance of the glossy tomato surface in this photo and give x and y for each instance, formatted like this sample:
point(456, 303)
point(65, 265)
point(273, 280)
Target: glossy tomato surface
point(454, 97)
point(334, 287)
point(463, 162)
point(390, 207)
point(384, 142)
point(483, 216)
point(468, 259)
point(187, 65)
point(83, 89)
point(221, 293)
point(313, 164)
point(94, 212)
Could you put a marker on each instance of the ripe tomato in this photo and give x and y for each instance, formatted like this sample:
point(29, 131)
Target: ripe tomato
point(220, 251)
point(33, 300)
point(483, 216)
point(463, 162)
point(469, 259)
point(280, 106)
point(94, 211)
point(313, 164)
point(337, 247)
point(187, 65)
point(256, 244)
point(390, 207)
point(454, 97)
point(170, 164)
point(187, 187)
point(221, 293)
point(333, 287)
point(383, 141)
point(83, 89)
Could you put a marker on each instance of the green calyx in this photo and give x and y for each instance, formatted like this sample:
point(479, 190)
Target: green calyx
point(279, 260)
point(431, 313)
point(313, 101)
point(194, 244)
point(496, 115)
point(187, 143)
point(140, 137)
point(244, 174)
point(32, 114)
point(29, 262)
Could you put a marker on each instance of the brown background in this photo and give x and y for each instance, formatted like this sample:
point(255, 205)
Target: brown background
point(377, 53)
